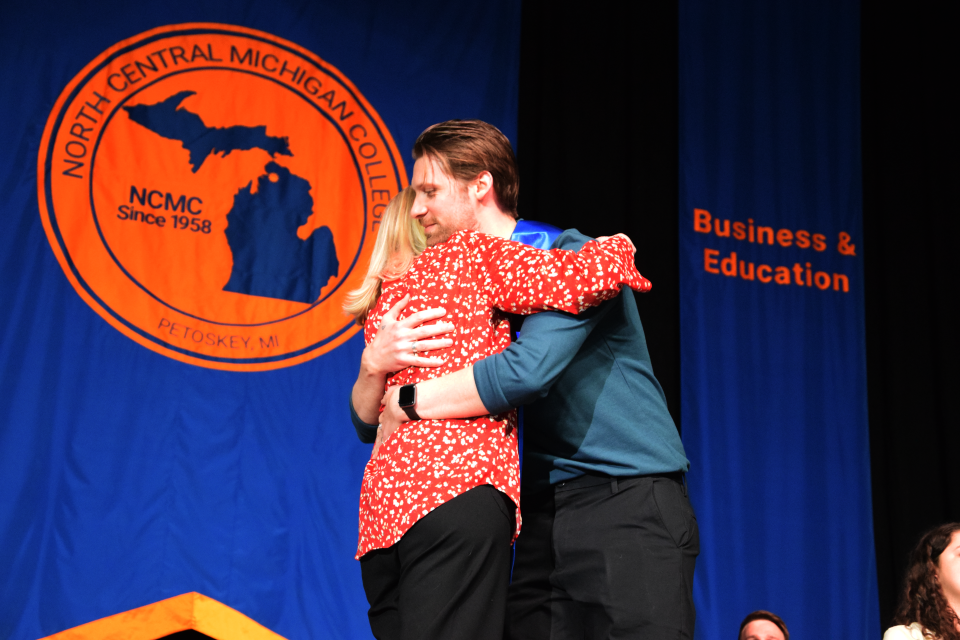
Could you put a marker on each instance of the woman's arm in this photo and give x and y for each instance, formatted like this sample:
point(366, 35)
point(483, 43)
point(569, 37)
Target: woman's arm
point(522, 279)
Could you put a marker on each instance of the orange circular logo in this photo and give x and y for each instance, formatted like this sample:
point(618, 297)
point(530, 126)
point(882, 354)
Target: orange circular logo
point(213, 192)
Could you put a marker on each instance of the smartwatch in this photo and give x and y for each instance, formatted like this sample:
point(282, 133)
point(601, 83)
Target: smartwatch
point(408, 400)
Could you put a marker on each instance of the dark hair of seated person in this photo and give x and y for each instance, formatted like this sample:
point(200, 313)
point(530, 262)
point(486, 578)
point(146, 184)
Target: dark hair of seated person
point(922, 599)
point(760, 614)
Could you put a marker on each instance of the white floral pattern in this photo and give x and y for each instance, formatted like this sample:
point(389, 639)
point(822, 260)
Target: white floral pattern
point(478, 279)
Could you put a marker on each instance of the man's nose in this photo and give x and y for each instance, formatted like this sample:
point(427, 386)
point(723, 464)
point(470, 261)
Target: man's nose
point(418, 210)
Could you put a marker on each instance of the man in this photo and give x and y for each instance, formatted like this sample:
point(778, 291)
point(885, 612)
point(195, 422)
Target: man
point(609, 540)
point(763, 625)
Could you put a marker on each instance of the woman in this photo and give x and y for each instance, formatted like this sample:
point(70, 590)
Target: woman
point(931, 593)
point(427, 464)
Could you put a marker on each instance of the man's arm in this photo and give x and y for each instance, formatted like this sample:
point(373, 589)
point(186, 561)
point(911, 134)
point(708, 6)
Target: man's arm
point(454, 395)
point(521, 374)
point(548, 343)
point(528, 368)
point(395, 348)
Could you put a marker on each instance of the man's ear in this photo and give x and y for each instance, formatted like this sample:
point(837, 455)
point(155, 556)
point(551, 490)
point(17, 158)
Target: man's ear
point(482, 186)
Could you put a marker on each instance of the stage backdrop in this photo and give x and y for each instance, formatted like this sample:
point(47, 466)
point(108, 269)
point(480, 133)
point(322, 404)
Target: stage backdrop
point(772, 325)
point(190, 187)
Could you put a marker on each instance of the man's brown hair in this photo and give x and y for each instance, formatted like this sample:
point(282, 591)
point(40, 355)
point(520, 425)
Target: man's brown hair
point(466, 148)
point(765, 615)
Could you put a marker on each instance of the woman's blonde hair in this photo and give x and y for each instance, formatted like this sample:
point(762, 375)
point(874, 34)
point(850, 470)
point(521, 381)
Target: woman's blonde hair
point(399, 240)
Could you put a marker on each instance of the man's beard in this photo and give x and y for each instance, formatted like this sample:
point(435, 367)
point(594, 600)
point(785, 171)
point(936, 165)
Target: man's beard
point(463, 218)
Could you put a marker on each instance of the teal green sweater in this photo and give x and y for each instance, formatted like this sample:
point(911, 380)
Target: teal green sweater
point(591, 403)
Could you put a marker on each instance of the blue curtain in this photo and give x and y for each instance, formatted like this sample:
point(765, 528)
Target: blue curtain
point(129, 476)
point(772, 336)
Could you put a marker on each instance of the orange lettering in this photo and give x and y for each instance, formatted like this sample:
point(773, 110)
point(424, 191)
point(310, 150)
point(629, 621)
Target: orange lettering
point(765, 231)
point(726, 228)
point(710, 260)
point(701, 220)
point(739, 231)
point(760, 271)
point(844, 246)
point(837, 279)
point(798, 273)
point(729, 265)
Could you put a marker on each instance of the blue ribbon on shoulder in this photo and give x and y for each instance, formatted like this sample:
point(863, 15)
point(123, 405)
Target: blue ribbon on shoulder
point(542, 236)
point(536, 234)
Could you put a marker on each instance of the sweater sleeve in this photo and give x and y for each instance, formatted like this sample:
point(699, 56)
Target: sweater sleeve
point(528, 368)
point(548, 342)
point(366, 432)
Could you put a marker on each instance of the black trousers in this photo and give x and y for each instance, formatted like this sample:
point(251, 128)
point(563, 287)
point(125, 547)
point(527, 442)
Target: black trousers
point(447, 577)
point(600, 558)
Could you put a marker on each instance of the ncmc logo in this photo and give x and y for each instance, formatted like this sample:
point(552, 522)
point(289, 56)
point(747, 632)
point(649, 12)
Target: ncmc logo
point(214, 192)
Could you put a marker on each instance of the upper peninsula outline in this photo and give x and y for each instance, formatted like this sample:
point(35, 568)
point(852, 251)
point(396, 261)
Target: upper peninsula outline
point(269, 259)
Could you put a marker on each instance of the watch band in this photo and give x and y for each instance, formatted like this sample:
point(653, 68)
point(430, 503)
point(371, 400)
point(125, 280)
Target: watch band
point(407, 400)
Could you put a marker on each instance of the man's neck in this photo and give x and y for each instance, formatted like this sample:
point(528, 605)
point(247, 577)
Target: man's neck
point(495, 222)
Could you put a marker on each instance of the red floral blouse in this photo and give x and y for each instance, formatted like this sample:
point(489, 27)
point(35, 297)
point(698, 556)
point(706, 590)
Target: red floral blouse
point(478, 279)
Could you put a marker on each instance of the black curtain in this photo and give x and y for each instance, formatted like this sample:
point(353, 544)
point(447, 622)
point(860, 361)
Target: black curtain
point(597, 147)
point(908, 70)
point(597, 144)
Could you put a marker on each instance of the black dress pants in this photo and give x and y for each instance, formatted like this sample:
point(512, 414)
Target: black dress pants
point(447, 577)
point(599, 558)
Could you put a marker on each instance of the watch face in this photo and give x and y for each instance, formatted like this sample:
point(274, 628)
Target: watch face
point(408, 395)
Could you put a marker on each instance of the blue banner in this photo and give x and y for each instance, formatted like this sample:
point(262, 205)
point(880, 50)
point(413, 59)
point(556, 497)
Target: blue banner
point(772, 314)
point(190, 188)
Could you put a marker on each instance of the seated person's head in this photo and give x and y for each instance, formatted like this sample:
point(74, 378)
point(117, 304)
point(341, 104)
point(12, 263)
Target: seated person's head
point(931, 590)
point(763, 625)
